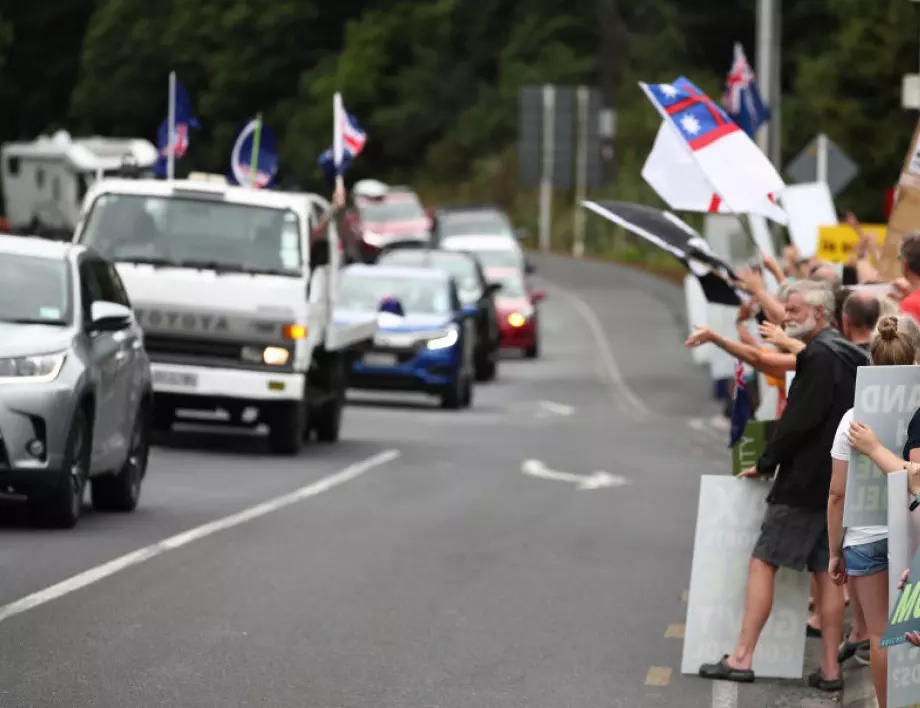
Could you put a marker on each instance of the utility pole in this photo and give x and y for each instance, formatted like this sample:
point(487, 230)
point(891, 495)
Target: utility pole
point(609, 77)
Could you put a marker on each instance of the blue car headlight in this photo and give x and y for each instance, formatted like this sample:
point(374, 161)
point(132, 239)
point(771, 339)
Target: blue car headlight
point(444, 341)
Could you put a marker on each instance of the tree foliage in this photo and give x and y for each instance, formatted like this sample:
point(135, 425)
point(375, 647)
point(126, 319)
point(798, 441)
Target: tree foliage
point(435, 82)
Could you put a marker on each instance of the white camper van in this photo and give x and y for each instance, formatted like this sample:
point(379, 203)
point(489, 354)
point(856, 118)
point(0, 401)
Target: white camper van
point(45, 181)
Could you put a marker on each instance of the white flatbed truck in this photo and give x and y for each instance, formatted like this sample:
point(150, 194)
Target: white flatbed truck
point(235, 298)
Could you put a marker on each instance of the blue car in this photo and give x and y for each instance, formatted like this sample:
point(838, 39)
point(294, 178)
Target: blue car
point(426, 338)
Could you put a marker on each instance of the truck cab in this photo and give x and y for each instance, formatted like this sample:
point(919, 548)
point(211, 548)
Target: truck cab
point(235, 299)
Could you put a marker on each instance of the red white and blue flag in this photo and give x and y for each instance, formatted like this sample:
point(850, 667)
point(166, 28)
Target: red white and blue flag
point(742, 99)
point(349, 139)
point(741, 406)
point(702, 161)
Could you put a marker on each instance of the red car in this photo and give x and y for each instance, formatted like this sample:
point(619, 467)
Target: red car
point(396, 216)
point(516, 304)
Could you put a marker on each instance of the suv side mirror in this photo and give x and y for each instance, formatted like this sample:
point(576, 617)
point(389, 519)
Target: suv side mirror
point(537, 296)
point(110, 316)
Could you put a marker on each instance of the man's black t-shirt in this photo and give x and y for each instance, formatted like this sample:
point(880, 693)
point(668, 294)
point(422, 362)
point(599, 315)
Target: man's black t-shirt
point(822, 391)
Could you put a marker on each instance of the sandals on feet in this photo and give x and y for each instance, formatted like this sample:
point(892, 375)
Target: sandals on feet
point(816, 680)
point(722, 671)
point(848, 650)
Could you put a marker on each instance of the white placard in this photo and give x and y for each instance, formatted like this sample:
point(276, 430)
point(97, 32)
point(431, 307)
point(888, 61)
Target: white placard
point(886, 399)
point(697, 314)
point(728, 524)
point(810, 206)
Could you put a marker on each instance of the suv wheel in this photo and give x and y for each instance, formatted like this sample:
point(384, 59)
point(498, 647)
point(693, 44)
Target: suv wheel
point(62, 505)
point(122, 491)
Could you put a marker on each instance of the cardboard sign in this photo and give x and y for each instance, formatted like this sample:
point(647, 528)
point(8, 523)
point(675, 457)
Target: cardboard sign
point(810, 206)
point(837, 243)
point(905, 214)
point(754, 439)
point(903, 659)
point(886, 399)
point(728, 523)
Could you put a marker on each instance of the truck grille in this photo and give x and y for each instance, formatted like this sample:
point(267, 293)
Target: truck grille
point(191, 347)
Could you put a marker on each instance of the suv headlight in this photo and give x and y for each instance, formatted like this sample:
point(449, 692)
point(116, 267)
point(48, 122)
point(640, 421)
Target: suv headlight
point(29, 369)
point(444, 341)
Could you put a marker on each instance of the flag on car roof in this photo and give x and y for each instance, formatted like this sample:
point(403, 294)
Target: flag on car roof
point(741, 406)
point(670, 233)
point(185, 120)
point(348, 142)
point(736, 170)
point(254, 156)
point(742, 97)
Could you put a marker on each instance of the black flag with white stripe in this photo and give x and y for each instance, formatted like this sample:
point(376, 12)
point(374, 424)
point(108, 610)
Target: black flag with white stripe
point(671, 234)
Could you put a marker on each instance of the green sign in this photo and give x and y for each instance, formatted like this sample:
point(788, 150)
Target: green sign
point(906, 614)
point(757, 433)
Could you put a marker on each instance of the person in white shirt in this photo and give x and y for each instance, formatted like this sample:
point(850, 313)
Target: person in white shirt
point(859, 554)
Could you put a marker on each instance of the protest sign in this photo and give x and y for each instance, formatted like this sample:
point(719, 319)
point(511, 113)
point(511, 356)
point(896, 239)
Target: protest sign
point(837, 243)
point(886, 398)
point(904, 659)
point(728, 523)
point(905, 212)
point(756, 435)
point(905, 615)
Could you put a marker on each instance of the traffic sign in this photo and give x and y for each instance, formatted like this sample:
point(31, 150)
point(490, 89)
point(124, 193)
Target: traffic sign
point(840, 168)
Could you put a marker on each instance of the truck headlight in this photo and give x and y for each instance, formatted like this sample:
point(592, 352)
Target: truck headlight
point(516, 319)
point(31, 369)
point(276, 356)
point(273, 356)
point(445, 341)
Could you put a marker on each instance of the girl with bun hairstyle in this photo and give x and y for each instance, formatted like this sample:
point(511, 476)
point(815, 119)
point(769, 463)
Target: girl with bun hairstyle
point(859, 554)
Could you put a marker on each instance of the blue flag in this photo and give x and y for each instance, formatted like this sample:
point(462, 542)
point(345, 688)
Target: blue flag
point(741, 406)
point(254, 139)
point(185, 121)
point(742, 99)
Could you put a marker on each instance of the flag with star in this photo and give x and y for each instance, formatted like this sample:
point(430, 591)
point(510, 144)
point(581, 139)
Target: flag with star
point(737, 172)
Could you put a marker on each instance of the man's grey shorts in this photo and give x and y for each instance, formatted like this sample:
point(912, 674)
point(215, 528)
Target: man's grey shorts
point(793, 537)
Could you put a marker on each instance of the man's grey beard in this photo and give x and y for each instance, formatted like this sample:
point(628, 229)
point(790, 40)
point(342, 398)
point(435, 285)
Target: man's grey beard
point(799, 330)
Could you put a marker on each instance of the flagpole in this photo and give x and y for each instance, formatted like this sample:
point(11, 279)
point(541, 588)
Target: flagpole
point(171, 129)
point(254, 162)
point(338, 146)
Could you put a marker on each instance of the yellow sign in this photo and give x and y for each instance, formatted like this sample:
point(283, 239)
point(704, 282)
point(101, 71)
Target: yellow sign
point(836, 243)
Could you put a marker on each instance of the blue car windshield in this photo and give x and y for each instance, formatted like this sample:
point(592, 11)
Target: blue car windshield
point(418, 296)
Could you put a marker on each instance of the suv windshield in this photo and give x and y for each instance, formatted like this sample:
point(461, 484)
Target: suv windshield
point(391, 210)
point(419, 296)
point(461, 267)
point(479, 223)
point(34, 290)
point(189, 232)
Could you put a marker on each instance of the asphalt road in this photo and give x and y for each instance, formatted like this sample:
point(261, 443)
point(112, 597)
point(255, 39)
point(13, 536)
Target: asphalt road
point(439, 575)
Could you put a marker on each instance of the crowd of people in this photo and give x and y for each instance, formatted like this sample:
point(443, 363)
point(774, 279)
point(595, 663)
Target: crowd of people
point(823, 330)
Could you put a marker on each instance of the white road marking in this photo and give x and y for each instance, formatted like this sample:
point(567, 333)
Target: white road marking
point(557, 408)
point(94, 575)
point(595, 480)
point(603, 345)
point(724, 694)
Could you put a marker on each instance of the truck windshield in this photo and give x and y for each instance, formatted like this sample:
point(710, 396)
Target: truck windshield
point(195, 233)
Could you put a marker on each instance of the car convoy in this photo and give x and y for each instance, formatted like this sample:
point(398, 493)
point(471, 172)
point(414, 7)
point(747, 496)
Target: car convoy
point(194, 298)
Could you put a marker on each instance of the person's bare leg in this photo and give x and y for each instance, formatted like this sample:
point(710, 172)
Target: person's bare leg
point(859, 631)
point(758, 603)
point(831, 609)
point(815, 620)
point(872, 591)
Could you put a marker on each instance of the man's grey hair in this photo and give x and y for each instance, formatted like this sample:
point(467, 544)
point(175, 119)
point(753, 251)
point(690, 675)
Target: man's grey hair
point(816, 293)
